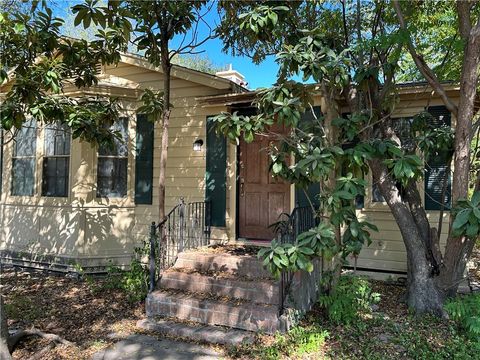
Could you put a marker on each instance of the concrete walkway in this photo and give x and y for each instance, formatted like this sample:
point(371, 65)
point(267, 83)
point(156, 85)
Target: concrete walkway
point(142, 347)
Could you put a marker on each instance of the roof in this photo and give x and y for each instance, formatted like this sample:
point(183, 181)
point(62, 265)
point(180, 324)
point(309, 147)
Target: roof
point(185, 73)
point(248, 96)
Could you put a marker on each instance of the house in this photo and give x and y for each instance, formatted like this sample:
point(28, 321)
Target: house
point(64, 202)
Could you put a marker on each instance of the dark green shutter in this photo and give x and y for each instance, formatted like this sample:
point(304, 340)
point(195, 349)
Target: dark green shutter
point(436, 166)
point(144, 160)
point(313, 190)
point(216, 175)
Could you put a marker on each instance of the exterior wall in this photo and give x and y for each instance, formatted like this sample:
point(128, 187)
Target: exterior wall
point(387, 251)
point(86, 230)
point(82, 229)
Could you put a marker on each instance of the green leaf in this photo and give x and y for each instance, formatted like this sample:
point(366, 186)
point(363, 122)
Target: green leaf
point(472, 231)
point(476, 211)
point(461, 218)
point(306, 250)
point(277, 168)
point(476, 199)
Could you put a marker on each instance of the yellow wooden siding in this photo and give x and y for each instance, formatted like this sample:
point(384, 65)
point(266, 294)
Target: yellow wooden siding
point(84, 227)
point(387, 250)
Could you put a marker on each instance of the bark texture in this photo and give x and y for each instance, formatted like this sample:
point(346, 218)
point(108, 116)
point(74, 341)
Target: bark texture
point(4, 351)
point(166, 68)
point(422, 293)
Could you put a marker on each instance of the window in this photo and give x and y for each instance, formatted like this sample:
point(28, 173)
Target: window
point(376, 194)
point(402, 129)
point(23, 160)
point(56, 161)
point(112, 164)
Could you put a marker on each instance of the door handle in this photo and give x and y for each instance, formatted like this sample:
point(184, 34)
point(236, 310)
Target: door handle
point(242, 187)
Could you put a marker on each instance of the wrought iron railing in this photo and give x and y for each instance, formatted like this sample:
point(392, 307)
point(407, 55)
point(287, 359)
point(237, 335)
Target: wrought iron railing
point(300, 220)
point(186, 226)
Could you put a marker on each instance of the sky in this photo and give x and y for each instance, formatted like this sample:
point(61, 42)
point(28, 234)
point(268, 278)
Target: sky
point(262, 75)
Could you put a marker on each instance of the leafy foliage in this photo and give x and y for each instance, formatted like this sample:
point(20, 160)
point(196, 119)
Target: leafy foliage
point(198, 62)
point(299, 342)
point(465, 310)
point(236, 126)
point(133, 281)
point(467, 217)
point(352, 297)
point(310, 244)
point(38, 62)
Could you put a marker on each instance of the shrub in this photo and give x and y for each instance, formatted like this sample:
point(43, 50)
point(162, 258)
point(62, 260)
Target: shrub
point(301, 342)
point(133, 282)
point(465, 311)
point(349, 299)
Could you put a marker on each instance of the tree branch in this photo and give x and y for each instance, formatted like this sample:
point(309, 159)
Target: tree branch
point(423, 67)
point(15, 338)
point(464, 22)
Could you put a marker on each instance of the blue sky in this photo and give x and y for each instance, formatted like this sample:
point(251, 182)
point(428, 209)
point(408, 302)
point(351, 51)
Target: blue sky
point(261, 75)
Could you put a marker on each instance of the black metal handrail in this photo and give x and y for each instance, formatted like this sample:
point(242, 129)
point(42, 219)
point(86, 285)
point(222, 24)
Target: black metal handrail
point(300, 220)
point(186, 226)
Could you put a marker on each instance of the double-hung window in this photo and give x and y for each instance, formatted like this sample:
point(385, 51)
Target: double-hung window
point(23, 160)
point(56, 160)
point(113, 163)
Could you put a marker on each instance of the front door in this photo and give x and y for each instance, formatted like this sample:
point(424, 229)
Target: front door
point(262, 198)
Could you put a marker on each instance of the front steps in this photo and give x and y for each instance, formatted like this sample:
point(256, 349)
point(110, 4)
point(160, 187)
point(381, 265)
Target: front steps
point(228, 290)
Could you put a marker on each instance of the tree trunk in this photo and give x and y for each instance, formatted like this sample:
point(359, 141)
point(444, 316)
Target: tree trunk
point(166, 66)
point(458, 250)
point(330, 112)
point(4, 351)
point(422, 293)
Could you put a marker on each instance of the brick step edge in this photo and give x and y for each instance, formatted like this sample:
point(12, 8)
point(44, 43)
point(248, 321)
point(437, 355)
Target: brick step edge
point(247, 266)
point(201, 333)
point(259, 291)
point(245, 316)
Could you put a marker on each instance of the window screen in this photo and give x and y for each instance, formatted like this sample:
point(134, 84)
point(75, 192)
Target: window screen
point(113, 163)
point(56, 161)
point(23, 160)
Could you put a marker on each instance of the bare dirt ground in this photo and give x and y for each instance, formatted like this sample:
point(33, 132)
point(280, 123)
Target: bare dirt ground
point(95, 317)
point(84, 313)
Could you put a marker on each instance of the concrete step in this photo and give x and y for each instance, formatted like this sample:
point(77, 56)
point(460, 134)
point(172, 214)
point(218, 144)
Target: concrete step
point(198, 332)
point(258, 291)
point(240, 265)
point(192, 307)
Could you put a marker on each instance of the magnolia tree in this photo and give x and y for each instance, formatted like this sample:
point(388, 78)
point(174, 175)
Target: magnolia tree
point(355, 52)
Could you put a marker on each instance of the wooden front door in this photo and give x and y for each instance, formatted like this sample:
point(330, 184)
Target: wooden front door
point(262, 198)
